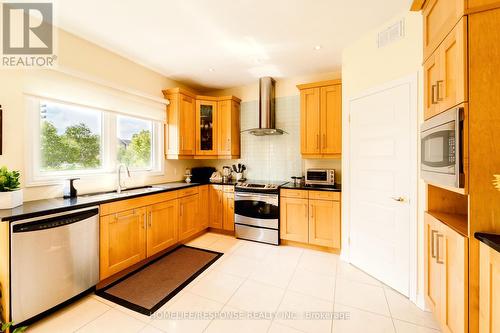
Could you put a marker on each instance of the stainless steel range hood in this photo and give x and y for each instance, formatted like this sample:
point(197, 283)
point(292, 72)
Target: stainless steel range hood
point(267, 112)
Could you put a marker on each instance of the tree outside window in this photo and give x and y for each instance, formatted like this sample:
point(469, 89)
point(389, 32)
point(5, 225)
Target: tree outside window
point(70, 138)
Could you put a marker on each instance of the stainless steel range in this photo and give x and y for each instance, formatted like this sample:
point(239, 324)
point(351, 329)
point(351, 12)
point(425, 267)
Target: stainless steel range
point(257, 211)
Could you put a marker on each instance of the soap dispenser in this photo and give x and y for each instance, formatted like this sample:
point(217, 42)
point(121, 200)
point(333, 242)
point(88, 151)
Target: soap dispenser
point(69, 189)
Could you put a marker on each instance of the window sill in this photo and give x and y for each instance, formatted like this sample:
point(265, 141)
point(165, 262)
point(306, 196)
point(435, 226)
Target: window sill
point(58, 180)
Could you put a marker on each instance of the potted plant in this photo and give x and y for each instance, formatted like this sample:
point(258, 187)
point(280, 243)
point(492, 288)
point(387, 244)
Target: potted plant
point(10, 194)
point(5, 326)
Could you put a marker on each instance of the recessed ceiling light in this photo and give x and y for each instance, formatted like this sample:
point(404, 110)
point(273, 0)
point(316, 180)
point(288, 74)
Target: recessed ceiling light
point(211, 69)
point(317, 47)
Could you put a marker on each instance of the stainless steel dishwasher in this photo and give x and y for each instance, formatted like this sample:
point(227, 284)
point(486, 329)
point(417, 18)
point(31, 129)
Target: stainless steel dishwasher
point(53, 258)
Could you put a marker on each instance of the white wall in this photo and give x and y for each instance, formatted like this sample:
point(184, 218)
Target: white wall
point(83, 57)
point(366, 66)
point(274, 157)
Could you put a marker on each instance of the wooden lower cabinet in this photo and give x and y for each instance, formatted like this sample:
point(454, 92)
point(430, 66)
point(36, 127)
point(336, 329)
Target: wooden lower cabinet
point(489, 290)
point(157, 222)
point(228, 211)
point(216, 206)
point(204, 203)
point(311, 217)
point(294, 219)
point(122, 240)
point(324, 223)
point(162, 230)
point(188, 216)
point(446, 275)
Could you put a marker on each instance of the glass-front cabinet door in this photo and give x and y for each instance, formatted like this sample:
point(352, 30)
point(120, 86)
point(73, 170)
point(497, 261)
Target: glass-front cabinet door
point(206, 131)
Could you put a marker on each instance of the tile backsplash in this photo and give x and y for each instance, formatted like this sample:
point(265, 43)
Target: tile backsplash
point(274, 157)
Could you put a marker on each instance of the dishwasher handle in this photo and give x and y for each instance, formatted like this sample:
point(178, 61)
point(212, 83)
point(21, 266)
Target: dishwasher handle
point(55, 222)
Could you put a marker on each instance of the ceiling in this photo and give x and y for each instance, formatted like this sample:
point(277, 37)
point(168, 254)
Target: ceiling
point(225, 43)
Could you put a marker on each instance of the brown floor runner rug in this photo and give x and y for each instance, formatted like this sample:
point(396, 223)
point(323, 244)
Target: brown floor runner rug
point(151, 286)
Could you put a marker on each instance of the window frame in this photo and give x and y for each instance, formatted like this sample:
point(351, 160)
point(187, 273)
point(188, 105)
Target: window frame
point(109, 149)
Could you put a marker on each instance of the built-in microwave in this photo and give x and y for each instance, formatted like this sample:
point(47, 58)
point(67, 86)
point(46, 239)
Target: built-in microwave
point(442, 149)
point(320, 177)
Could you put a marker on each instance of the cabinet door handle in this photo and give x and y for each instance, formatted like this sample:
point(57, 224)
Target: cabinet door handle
point(150, 219)
point(433, 248)
point(438, 254)
point(438, 84)
point(433, 94)
point(312, 213)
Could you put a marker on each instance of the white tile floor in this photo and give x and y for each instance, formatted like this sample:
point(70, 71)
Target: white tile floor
point(250, 283)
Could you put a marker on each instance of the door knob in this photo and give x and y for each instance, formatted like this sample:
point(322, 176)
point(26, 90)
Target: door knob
point(398, 199)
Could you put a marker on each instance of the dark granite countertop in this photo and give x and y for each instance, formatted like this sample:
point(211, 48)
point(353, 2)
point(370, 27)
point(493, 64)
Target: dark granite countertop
point(492, 240)
point(37, 208)
point(300, 186)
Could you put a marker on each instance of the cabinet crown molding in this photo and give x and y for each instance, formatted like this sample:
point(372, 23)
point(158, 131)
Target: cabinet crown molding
point(319, 84)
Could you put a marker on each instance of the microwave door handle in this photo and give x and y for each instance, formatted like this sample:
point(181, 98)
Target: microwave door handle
point(458, 145)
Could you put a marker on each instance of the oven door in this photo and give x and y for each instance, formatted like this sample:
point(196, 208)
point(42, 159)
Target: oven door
point(440, 149)
point(256, 209)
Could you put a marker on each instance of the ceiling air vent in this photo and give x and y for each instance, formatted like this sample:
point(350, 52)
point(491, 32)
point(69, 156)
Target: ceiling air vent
point(391, 34)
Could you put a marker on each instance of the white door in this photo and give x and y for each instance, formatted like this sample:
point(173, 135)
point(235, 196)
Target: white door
point(380, 176)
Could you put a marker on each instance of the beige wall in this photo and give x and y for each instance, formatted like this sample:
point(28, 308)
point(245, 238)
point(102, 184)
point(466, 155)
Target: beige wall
point(284, 86)
point(366, 66)
point(79, 56)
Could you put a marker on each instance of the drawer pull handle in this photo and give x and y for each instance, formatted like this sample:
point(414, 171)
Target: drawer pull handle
point(438, 84)
point(433, 248)
point(433, 94)
point(439, 261)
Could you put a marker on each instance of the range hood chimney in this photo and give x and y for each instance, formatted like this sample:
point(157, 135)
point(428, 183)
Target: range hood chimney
point(267, 112)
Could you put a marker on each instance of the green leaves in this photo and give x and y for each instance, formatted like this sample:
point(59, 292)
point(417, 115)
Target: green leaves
point(6, 326)
point(9, 180)
point(76, 148)
point(138, 153)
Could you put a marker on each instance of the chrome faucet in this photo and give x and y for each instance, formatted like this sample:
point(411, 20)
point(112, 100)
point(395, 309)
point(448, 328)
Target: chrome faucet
point(120, 187)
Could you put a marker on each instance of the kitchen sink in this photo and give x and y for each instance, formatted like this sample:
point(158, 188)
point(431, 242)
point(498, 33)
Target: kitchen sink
point(124, 193)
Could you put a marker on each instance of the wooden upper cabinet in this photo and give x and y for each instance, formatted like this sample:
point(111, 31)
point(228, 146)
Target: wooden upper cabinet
point(445, 73)
point(310, 121)
point(294, 219)
point(188, 216)
point(324, 223)
point(321, 119)
point(122, 240)
point(440, 16)
point(180, 127)
point(228, 211)
point(203, 127)
point(331, 119)
point(228, 127)
point(162, 231)
point(489, 290)
point(480, 5)
point(206, 127)
point(431, 77)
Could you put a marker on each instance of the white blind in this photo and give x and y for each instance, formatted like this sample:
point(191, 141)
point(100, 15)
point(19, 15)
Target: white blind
point(65, 88)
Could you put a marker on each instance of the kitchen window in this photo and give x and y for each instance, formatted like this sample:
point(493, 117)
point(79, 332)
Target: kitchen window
point(72, 140)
